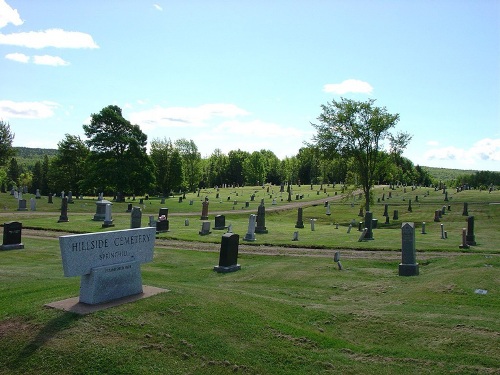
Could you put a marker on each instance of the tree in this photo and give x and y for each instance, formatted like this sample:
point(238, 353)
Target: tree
point(68, 168)
point(118, 161)
point(217, 167)
point(236, 160)
point(14, 173)
point(45, 175)
point(37, 180)
point(349, 128)
point(168, 166)
point(6, 138)
point(191, 162)
point(255, 168)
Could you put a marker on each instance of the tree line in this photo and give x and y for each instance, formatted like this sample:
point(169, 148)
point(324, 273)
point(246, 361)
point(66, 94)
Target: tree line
point(114, 158)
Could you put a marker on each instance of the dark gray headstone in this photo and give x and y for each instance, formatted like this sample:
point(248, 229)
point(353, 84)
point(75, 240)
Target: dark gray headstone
point(300, 222)
point(470, 238)
point(408, 265)
point(135, 218)
point(12, 236)
point(63, 218)
point(228, 255)
point(220, 222)
point(261, 220)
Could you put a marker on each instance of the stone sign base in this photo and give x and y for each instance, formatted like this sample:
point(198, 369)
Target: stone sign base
point(222, 269)
point(12, 247)
point(106, 283)
point(408, 269)
point(73, 305)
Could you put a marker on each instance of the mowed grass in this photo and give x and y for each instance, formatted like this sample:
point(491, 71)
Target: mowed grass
point(277, 315)
point(484, 206)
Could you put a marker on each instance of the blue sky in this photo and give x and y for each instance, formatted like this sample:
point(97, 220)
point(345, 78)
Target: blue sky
point(253, 74)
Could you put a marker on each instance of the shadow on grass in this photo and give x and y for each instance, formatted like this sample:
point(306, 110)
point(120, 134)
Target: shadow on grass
point(50, 330)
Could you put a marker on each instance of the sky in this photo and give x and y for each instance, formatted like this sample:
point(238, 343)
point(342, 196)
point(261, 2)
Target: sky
point(253, 74)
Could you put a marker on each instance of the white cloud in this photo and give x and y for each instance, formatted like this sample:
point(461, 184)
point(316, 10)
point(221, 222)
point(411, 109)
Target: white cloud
point(349, 85)
point(9, 15)
point(28, 110)
point(49, 60)
point(49, 38)
point(184, 116)
point(157, 7)
point(484, 150)
point(19, 57)
point(432, 143)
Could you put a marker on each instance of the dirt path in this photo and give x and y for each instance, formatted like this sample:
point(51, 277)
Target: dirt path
point(266, 249)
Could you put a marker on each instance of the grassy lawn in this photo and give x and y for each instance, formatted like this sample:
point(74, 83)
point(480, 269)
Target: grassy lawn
point(278, 314)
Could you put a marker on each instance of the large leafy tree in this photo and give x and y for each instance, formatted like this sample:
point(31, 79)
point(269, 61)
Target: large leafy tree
point(236, 159)
point(168, 166)
point(191, 162)
point(217, 168)
point(118, 161)
point(14, 173)
point(349, 128)
point(6, 139)
point(67, 169)
point(255, 168)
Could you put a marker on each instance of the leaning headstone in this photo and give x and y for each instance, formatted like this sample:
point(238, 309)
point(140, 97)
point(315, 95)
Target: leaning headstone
point(12, 236)
point(108, 262)
point(336, 259)
point(63, 218)
point(205, 228)
point(471, 238)
point(349, 228)
point(220, 222)
point(363, 234)
point(228, 255)
point(250, 236)
point(135, 218)
point(408, 265)
point(261, 219)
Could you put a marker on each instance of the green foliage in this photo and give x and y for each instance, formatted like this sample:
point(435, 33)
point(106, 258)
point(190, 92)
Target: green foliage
point(353, 129)
point(6, 139)
point(191, 162)
point(168, 166)
point(67, 169)
point(118, 161)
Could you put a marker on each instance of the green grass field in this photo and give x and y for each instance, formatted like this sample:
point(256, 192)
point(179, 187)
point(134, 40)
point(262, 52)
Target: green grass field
point(280, 314)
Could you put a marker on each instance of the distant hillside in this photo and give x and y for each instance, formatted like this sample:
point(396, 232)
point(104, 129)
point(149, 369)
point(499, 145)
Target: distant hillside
point(445, 174)
point(27, 157)
point(34, 153)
